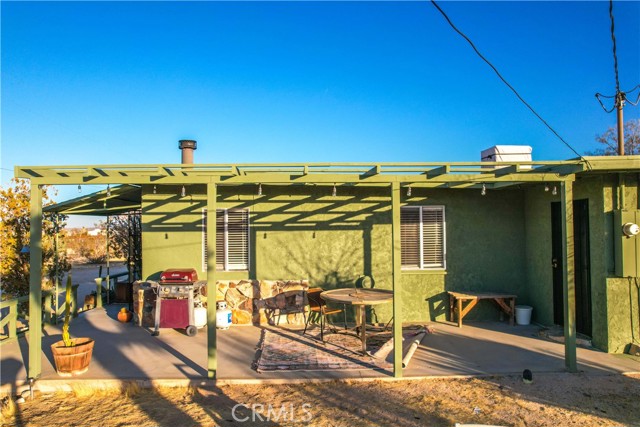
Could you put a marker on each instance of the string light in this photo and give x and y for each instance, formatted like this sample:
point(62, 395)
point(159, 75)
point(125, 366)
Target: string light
point(108, 191)
point(555, 190)
point(154, 189)
point(335, 191)
point(79, 189)
point(546, 188)
point(183, 192)
point(259, 189)
point(409, 191)
point(484, 190)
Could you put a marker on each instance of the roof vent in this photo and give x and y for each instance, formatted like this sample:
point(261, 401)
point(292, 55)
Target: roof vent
point(507, 154)
point(188, 146)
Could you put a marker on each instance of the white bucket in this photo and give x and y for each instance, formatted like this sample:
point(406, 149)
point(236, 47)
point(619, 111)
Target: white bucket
point(523, 314)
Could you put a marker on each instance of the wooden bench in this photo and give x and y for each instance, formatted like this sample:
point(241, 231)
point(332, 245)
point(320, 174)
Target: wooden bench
point(506, 302)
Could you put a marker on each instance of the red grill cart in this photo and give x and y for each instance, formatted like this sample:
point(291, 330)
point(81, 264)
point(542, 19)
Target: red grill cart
point(175, 300)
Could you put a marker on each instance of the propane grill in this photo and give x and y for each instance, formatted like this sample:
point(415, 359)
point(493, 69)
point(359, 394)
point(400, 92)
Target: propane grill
point(177, 292)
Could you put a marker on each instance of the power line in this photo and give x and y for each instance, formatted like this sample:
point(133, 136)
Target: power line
point(504, 80)
point(620, 98)
point(613, 38)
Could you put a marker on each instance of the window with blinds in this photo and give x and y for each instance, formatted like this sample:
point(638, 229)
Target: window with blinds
point(422, 234)
point(232, 240)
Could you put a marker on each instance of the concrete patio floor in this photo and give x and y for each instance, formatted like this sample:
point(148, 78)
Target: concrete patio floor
point(128, 352)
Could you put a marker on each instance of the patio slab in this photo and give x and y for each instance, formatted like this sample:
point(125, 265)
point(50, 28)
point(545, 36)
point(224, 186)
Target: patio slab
point(128, 352)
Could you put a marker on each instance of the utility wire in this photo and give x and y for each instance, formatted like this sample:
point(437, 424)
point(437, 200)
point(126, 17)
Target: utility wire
point(504, 80)
point(613, 38)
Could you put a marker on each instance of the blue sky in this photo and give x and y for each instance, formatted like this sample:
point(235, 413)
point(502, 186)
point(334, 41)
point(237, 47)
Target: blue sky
point(120, 82)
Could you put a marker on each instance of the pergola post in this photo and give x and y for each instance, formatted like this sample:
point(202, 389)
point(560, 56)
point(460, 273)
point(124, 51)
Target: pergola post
point(568, 277)
point(35, 283)
point(396, 270)
point(212, 289)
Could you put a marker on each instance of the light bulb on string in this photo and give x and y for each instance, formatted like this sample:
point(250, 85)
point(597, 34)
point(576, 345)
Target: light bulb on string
point(409, 191)
point(335, 191)
point(108, 191)
point(79, 188)
point(154, 189)
point(259, 189)
point(546, 188)
point(484, 190)
point(183, 192)
point(555, 190)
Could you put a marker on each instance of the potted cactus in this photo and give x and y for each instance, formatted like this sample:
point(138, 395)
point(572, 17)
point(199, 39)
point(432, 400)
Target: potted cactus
point(71, 356)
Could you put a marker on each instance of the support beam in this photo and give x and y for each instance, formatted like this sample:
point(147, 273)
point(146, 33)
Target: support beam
point(568, 277)
point(212, 289)
point(35, 283)
point(396, 271)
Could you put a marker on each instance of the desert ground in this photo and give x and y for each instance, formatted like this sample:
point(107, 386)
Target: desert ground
point(550, 400)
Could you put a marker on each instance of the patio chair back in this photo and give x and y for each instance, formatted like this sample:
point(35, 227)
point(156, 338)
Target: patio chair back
point(315, 301)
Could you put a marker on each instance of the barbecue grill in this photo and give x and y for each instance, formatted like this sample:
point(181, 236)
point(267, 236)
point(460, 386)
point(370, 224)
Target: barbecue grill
point(177, 292)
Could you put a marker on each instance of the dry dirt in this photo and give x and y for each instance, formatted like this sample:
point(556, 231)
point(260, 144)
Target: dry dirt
point(551, 400)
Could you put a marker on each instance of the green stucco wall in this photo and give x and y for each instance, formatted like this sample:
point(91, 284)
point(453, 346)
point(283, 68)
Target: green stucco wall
point(611, 310)
point(303, 232)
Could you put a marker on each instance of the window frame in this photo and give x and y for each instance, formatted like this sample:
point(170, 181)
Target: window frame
point(226, 265)
point(422, 265)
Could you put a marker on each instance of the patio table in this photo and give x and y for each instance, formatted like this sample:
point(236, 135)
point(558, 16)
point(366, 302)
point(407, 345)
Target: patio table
point(360, 298)
point(456, 300)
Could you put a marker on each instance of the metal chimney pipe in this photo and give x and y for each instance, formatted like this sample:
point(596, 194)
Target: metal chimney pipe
point(187, 146)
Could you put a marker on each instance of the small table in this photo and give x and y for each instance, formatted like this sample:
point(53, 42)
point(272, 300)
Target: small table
point(506, 302)
point(359, 298)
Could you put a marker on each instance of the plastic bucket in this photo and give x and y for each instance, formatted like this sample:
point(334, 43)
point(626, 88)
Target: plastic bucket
point(523, 314)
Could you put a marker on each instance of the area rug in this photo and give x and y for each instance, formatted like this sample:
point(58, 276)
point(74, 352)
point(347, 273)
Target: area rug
point(282, 349)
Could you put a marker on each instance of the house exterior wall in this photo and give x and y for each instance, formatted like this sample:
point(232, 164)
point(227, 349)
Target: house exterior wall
point(612, 306)
point(302, 232)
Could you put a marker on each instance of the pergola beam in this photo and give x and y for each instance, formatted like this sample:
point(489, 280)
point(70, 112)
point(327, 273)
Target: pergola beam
point(285, 179)
point(568, 278)
point(35, 283)
point(396, 280)
point(212, 289)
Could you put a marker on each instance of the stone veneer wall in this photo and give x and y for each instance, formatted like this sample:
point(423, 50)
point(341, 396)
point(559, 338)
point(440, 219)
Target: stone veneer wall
point(259, 302)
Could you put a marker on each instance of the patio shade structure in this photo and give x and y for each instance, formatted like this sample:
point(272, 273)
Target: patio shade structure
point(119, 200)
point(396, 177)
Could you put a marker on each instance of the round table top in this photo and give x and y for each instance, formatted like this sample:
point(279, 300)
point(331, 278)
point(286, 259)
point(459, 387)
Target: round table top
point(358, 296)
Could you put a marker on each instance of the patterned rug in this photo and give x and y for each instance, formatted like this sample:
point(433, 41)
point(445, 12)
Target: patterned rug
point(282, 349)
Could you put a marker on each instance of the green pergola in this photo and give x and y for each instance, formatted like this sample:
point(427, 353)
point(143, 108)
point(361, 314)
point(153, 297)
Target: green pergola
point(393, 176)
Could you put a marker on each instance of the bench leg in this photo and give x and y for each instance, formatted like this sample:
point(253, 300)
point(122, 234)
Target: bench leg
point(459, 312)
point(512, 304)
point(451, 308)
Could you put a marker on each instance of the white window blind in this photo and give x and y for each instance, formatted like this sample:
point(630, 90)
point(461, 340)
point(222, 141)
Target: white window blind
point(232, 240)
point(422, 235)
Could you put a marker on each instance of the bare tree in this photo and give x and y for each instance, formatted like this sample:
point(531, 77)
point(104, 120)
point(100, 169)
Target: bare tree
point(609, 140)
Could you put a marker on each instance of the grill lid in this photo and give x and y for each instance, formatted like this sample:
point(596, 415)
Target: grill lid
point(179, 275)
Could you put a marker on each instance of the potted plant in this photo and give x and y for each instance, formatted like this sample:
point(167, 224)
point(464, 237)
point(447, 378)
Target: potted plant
point(71, 356)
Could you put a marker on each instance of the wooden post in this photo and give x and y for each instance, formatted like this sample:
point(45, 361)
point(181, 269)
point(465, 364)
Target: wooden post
point(108, 264)
point(212, 289)
point(396, 271)
point(35, 283)
point(568, 277)
point(56, 262)
point(98, 281)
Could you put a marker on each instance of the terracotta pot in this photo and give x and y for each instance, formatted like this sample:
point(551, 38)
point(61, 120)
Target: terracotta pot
point(72, 360)
point(124, 315)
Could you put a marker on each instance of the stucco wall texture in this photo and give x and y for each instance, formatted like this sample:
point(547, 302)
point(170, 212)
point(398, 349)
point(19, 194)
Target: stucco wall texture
point(497, 242)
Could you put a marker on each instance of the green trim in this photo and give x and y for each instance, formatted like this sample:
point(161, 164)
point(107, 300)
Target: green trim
point(419, 174)
point(568, 278)
point(212, 352)
point(396, 260)
point(437, 272)
point(35, 283)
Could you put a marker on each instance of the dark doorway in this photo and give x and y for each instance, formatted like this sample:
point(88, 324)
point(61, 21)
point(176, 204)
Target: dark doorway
point(582, 264)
